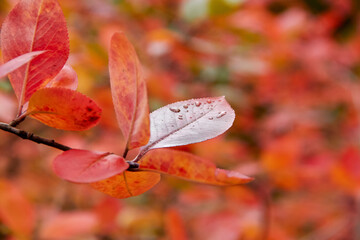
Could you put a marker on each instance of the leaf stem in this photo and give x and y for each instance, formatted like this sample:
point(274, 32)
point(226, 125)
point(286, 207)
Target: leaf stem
point(17, 121)
point(140, 155)
point(34, 138)
point(126, 151)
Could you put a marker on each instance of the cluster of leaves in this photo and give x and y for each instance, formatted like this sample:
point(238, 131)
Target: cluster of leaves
point(290, 70)
point(35, 48)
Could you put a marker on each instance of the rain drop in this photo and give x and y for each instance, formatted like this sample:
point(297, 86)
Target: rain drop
point(211, 118)
point(197, 103)
point(208, 101)
point(174, 109)
point(185, 106)
point(221, 114)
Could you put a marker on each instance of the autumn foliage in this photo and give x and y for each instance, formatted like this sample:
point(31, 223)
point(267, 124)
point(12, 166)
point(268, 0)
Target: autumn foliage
point(179, 119)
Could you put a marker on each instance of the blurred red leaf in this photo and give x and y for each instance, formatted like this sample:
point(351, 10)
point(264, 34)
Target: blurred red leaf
point(127, 184)
point(69, 225)
point(280, 159)
point(35, 26)
point(190, 167)
point(66, 78)
point(84, 166)
point(346, 172)
point(129, 91)
point(190, 121)
point(17, 62)
point(64, 109)
point(107, 211)
point(175, 225)
point(16, 212)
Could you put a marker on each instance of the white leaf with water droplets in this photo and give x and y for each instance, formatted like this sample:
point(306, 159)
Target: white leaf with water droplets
point(190, 121)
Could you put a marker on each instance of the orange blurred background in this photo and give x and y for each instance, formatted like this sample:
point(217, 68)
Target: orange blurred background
point(290, 69)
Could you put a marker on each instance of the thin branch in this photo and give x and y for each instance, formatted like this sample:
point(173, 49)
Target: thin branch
point(30, 136)
point(263, 194)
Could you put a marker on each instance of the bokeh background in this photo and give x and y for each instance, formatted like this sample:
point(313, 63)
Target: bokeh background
point(290, 69)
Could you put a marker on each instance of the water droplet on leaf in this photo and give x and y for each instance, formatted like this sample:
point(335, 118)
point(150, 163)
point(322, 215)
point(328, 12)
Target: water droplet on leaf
point(221, 114)
point(197, 104)
point(174, 109)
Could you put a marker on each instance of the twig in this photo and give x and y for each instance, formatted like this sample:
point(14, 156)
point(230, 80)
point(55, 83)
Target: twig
point(133, 166)
point(30, 136)
point(263, 194)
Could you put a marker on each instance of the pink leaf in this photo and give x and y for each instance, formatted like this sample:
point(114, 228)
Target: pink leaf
point(190, 121)
point(66, 78)
point(17, 62)
point(69, 225)
point(84, 166)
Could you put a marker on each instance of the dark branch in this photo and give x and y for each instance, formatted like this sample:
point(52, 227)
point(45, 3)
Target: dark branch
point(29, 136)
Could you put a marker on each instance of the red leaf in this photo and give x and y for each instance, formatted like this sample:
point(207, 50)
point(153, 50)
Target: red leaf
point(127, 184)
point(129, 91)
point(66, 78)
point(190, 121)
point(190, 167)
point(16, 212)
point(64, 109)
point(35, 25)
point(17, 62)
point(84, 166)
